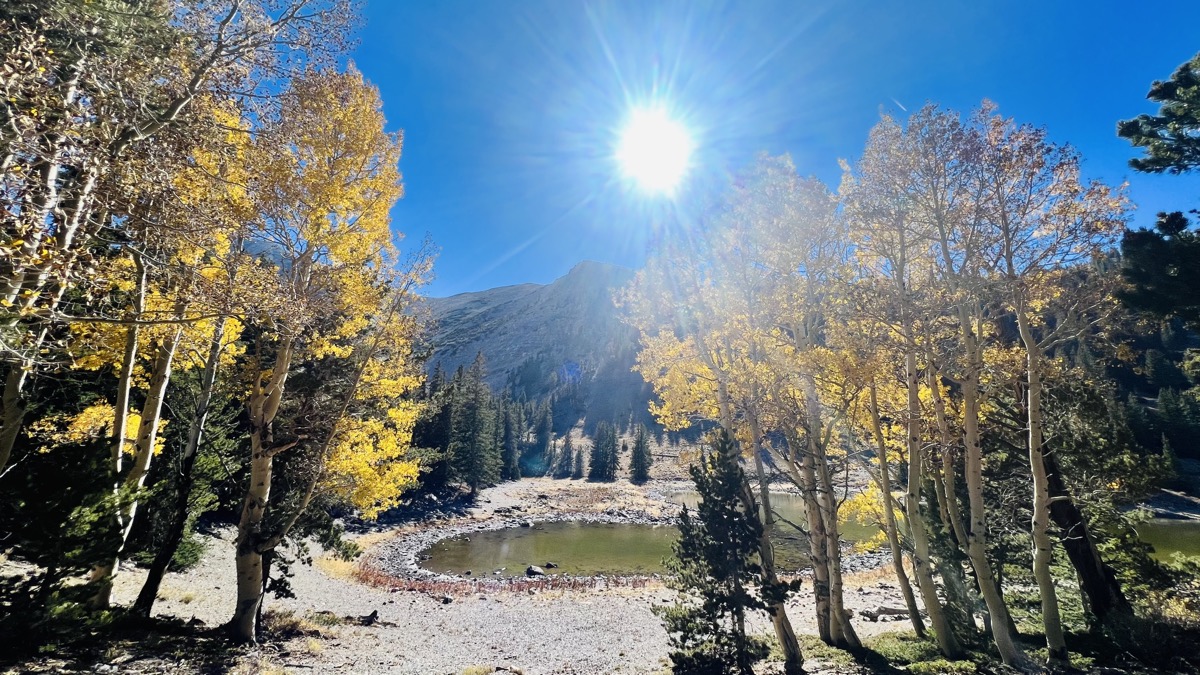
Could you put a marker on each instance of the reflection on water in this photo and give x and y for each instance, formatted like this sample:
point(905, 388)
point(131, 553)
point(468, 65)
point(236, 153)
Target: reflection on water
point(790, 508)
point(577, 548)
point(1171, 536)
point(587, 549)
point(603, 548)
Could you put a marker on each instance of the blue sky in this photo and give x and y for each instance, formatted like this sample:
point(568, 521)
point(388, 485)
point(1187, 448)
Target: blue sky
point(510, 109)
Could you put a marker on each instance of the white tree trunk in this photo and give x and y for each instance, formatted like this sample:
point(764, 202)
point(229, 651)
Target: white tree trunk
point(1010, 653)
point(102, 575)
point(922, 559)
point(889, 520)
point(1043, 543)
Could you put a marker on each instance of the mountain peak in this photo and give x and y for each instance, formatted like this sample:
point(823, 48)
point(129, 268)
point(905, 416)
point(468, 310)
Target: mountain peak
point(530, 334)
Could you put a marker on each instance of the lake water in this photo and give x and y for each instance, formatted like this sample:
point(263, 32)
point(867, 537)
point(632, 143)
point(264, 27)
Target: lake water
point(577, 548)
point(588, 549)
point(1169, 536)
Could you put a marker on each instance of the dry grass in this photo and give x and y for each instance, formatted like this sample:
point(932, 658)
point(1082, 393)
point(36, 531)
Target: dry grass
point(258, 665)
point(338, 568)
point(285, 624)
point(883, 573)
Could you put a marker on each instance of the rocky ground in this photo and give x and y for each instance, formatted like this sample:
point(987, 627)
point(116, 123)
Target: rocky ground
point(427, 629)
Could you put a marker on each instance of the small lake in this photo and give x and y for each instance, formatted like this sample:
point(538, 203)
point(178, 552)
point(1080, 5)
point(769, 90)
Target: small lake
point(587, 549)
point(1169, 536)
point(578, 548)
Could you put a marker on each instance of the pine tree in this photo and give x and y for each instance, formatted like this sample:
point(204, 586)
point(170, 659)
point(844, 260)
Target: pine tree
point(510, 467)
point(473, 449)
point(578, 472)
point(713, 568)
point(566, 458)
point(543, 450)
point(639, 462)
point(603, 462)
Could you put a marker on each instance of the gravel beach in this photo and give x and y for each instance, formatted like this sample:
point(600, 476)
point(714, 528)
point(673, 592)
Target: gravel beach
point(532, 631)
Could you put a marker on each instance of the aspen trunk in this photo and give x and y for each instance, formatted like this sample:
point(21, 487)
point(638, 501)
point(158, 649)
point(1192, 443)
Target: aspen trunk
point(841, 631)
point(1043, 543)
point(162, 559)
point(998, 617)
point(799, 467)
point(889, 520)
point(953, 513)
point(248, 560)
point(102, 575)
point(793, 657)
point(262, 406)
point(817, 547)
point(922, 559)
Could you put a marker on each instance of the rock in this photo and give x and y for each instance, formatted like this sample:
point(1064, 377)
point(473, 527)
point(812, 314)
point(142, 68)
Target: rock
point(879, 612)
point(526, 523)
point(551, 565)
point(447, 599)
point(543, 496)
point(534, 571)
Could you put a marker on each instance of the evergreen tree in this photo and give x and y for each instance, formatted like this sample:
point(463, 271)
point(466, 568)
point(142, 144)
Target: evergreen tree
point(639, 462)
point(473, 450)
point(578, 472)
point(538, 461)
point(1171, 138)
point(603, 462)
point(566, 458)
point(510, 467)
point(1162, 268)
point(713, 567)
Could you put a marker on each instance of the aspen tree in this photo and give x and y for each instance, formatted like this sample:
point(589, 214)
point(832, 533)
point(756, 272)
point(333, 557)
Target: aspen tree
point(123, 79)
point(893, 246)
point(1042, 219)
point(326, 180)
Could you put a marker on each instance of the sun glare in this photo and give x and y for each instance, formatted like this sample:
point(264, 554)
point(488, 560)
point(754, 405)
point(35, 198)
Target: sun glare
point(654, 150)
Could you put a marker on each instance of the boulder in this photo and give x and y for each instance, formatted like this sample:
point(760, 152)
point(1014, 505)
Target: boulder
point(534, 571)
point(551, 565)
point(879, 613)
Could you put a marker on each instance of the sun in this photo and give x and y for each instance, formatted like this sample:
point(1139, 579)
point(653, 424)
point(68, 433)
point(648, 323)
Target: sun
point(654, 150)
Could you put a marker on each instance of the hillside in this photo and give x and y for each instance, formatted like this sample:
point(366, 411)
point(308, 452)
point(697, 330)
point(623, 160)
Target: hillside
point(564, 340)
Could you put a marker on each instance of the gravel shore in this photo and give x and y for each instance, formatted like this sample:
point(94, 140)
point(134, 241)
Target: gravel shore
point(540, 631)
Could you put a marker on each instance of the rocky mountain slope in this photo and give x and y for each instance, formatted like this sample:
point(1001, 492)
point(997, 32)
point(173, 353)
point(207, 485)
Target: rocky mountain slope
point(564, 340)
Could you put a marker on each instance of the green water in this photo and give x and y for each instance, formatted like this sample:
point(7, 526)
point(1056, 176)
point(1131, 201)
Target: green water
point(1171, 536)
point(790, 507)
point(583, 549)
point(587, 549)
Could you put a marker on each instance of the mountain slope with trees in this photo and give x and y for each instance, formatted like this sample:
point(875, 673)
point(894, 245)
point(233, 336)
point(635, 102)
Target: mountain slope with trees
point(564, 342)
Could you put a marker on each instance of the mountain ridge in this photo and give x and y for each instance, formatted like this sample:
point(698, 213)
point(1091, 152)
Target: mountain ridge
point(565, 341)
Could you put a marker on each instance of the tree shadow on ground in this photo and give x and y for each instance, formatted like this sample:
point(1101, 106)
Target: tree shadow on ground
point(124, 645)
